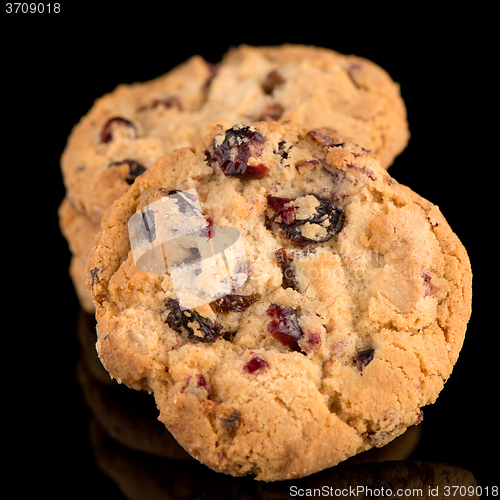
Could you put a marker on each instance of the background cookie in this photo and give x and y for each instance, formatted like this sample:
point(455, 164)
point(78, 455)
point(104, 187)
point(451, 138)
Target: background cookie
point(351, 319)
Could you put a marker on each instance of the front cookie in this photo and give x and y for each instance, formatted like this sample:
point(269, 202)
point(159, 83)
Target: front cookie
point(320, 331)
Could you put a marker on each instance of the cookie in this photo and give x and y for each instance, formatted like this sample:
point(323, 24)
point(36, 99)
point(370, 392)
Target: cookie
point(131, 127)
point(332, 308)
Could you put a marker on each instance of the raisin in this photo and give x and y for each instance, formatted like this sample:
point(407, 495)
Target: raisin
point(256, 364)
point(285, 326)
point(362, 358)
point(134, 167)
point(201, 381)
point(107, 132)
point(183, 321)
point(324, 219)
point(239, 145)
point(284, 258)
point(235, 303)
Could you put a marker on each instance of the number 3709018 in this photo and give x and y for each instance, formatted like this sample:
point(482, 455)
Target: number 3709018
point(32, 8)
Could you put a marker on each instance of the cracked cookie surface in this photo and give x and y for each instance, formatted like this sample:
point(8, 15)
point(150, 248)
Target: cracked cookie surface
point(350, 318)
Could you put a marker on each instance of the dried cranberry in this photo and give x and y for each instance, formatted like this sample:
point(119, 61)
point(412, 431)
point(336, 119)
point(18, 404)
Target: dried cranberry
point(284, 209)
point(182, 321)
point(328, 217)
point(256, 364)
point(362, 358)
point(285, 326)
point(273, 80)
point(430, 288)
point(271, 112)
point(209, 230)
point(284, 258)
point(239, 145)
point(134, 167)
point(107, 132)
point(148, 224)
point(201, 381)
point(235, 303)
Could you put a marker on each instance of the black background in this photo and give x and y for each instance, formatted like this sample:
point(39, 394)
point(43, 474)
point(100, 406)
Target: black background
point(52, 70)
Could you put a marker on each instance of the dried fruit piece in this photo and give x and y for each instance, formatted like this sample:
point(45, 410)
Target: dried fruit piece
point(285, 326)
point(240, 143)
point(201, 381)
point(284, 209)
point(312, 218)
point(362, 358)
point(271, 112)
point(107, 131)
point(256, 364)
point(135, 169)
point(191, 324)
point(284, 258)
point(310, 341)
point(235, 303)
point(273, 80)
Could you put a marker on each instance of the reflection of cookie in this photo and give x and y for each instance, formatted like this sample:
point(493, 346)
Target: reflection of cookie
point(141, 475)
point(87, 337)
point(129, 417)
point(393, 479)
point(351, 318)
point(144, 476)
